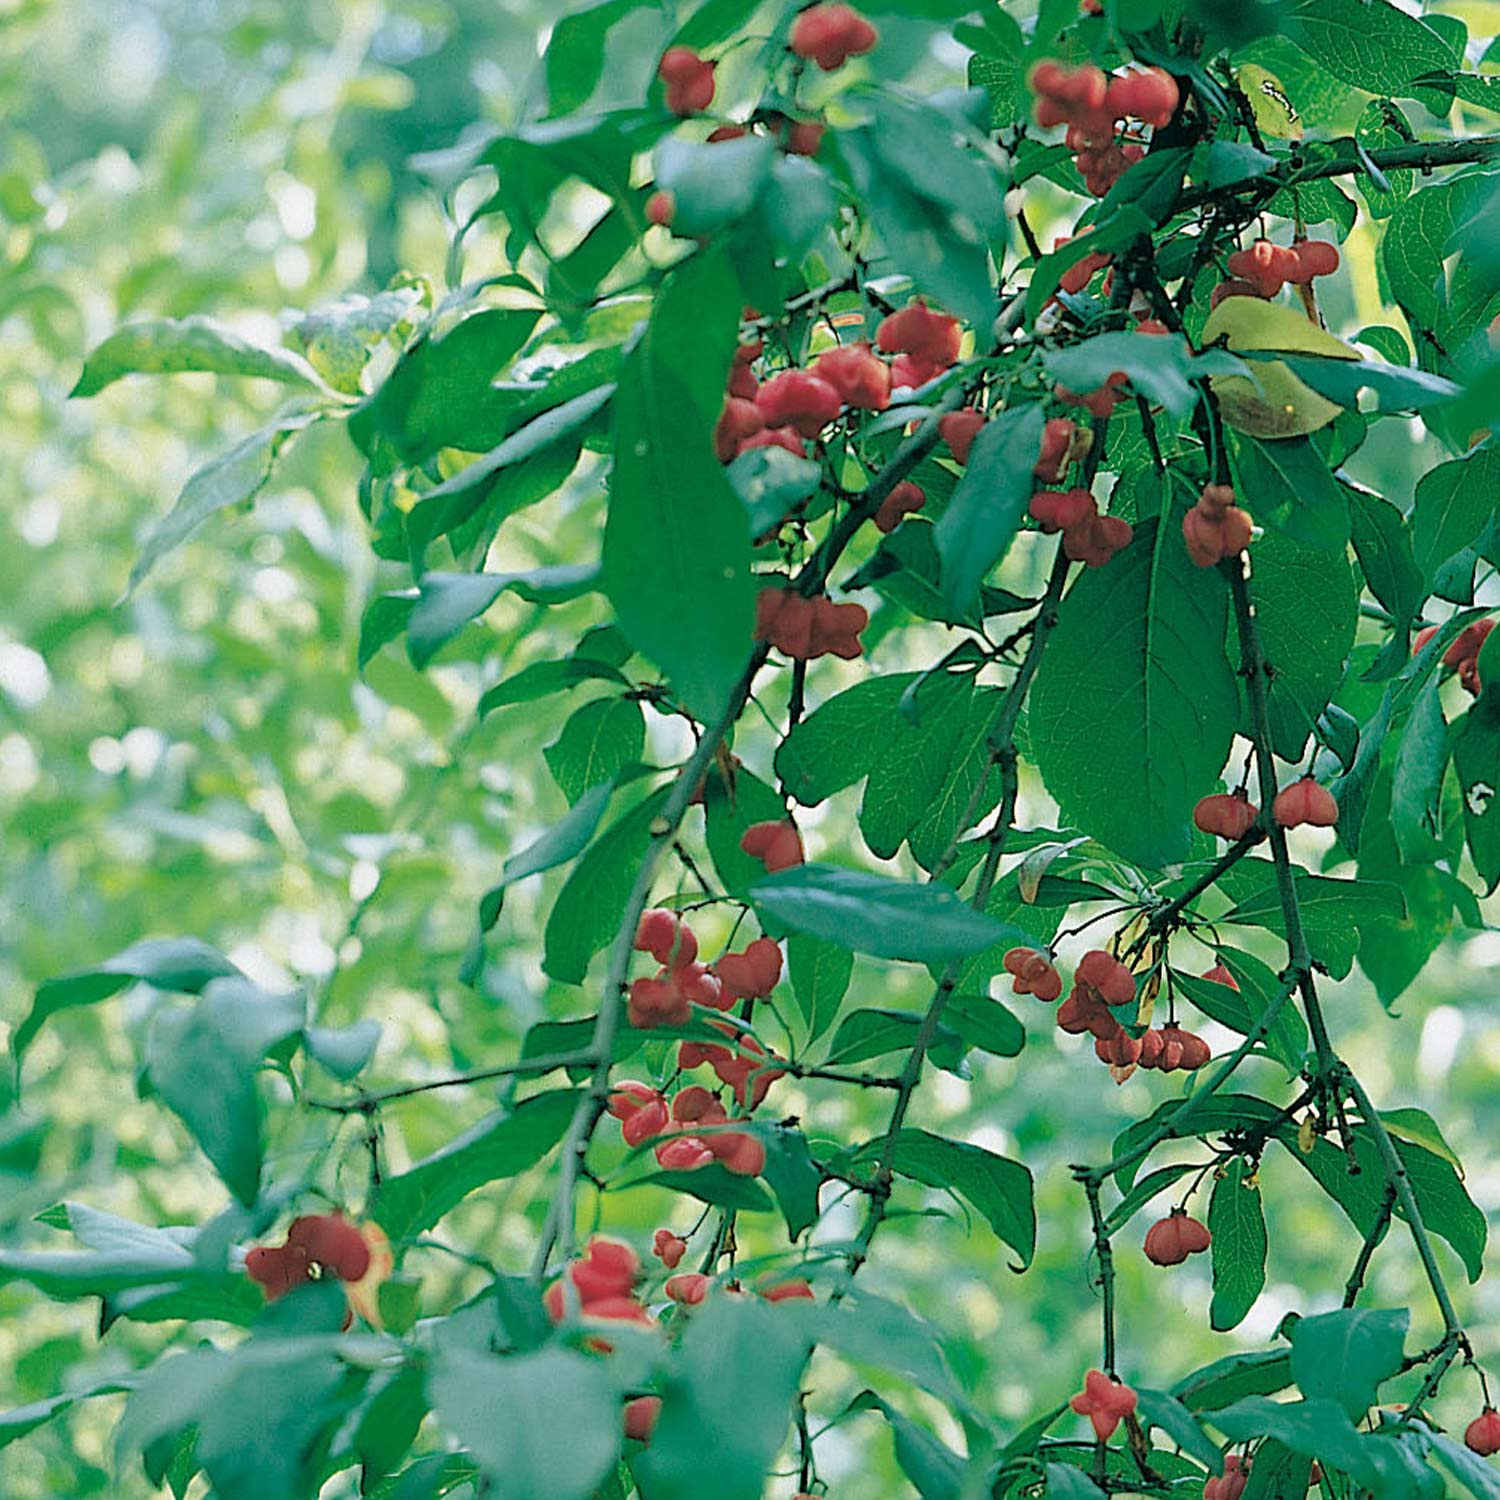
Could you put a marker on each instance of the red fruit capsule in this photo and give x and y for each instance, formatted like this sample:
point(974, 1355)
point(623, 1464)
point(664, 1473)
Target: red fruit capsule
point(919, 331)
point(959, 429)
point(1105, 1402)
point(1482, 1435)
point(689, 1288)
point(831, 34)
point(1229, 815)
point(1229, 1485)
point(777, 845)
point(668, 1248)
point(1062, 510)
point(640, 1417)
point(900, 503)
point(1305, 801)
point(661, 208)
point(1104, 972)
point(858, 374)
point(800, 400)
point(1170, 1241)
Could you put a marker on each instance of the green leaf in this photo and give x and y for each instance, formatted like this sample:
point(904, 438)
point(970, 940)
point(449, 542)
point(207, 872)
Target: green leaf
point(587, 909)
point(1260, 1372)
point(167, 346)
point(676, 530)
point(600, 740)
point(1456, 505)
point(543, 678)
point(509, 1412)
point(501, 1145)
point(1382, 542)
point(874, 1031)
point(231, 479)
point(1306, 610)
point(820, 974)
point(392, 1414)
point(182, 964)
point(999, 1188)
point(202, 1064)
point(875, 914)
point(975, 531)
point(344, 1051)
point(714, 1184)
point(1418, 1127)
point(68, 1275)
point(869, 1330)
point(932, 1466)
point(1238, 1225)
point(1344, 1356)
point(792, 1176)
point(771, 483)
point(1162, 367)
point(1371, 44)
point(1476, 762)
point(1334, 912)
point(1396, 388)
point(340, 336)
point(713, 185)
point(575, 53)
point(443, 603)
point(797, 205)
point(1241, 1010)
point(740, 1355)
point(726, 816)
point(1064, 1482)
point(1451, 297)
point(1417, 777)
point(986, 1024)
point(1293, 491)
point(447, 506)
point(1159, 1409)
point(1136, 678)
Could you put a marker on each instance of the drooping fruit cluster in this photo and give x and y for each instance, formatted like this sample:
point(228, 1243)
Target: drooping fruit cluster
point(667, 998)
point(1304, 801)
point(1215, 527)
point(1170, 1048)
point(805, 629)
point(316, 1245)
point(1034, 974)
point(1482, 1435)
point(924, 342)
point(1264, 268)
point(1229, 1485)
point(777, 844)
point(1105, 1402)
point(1462, 655)
point(1099, 981)
point(1091, 105)
point(831, 34)
point(744, 1066)
point(1229, 815)
point(687, 1132)
point(689, 80)
point(1170, 1241)
point(1088, 537)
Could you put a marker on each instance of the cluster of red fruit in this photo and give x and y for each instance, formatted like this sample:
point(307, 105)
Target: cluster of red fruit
point(1100, 982)
point(688, 1133)
point(805, 629)
point(1263, 269)
point(1215, 527)
point(1090, 105)
point(1088, 537)
point(1462, 655)
point(1170, 1241)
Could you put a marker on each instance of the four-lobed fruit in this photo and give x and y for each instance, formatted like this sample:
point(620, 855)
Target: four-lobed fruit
point(1264, 268)
point(1033, 974)
point(1105, 1401)
point(689, 80)
point(1064, 443)
point(752, 974)
point(315, 1245)
point(1170, 1241)
point(1305, 801)
point(805, 629)
point(1215, 528)
point(857, 374)
point(1229, 815)
point(776, 844)
point(1462, 655)
point(1171, 1048)
point(668, 1248)
point(903, 500)
point(830, 35)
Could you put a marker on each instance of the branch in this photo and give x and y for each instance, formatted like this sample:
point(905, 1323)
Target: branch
point(1367, 1250)
point(363, 1102)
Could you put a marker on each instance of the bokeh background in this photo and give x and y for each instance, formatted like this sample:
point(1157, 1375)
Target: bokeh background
point(204, 758)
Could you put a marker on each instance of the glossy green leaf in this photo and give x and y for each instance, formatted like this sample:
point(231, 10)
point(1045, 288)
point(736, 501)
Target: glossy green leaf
point(1238, 1225)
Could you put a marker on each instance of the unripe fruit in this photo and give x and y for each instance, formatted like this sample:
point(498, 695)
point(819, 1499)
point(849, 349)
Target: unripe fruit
point(776, 844)
point(958, 430)
point(1062, 510)
point(800, 400)
point(661, 208)
point(858, 374)
point(900, 503)
point(1170, 1241)
point(831, 34)
point(917, 330)
point(1304, 801)
point(1482, 1435)
point(668, 1248)
point(1230, 815)
point(1105, 973)
point(640, 1417)
point(1104, 1402)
